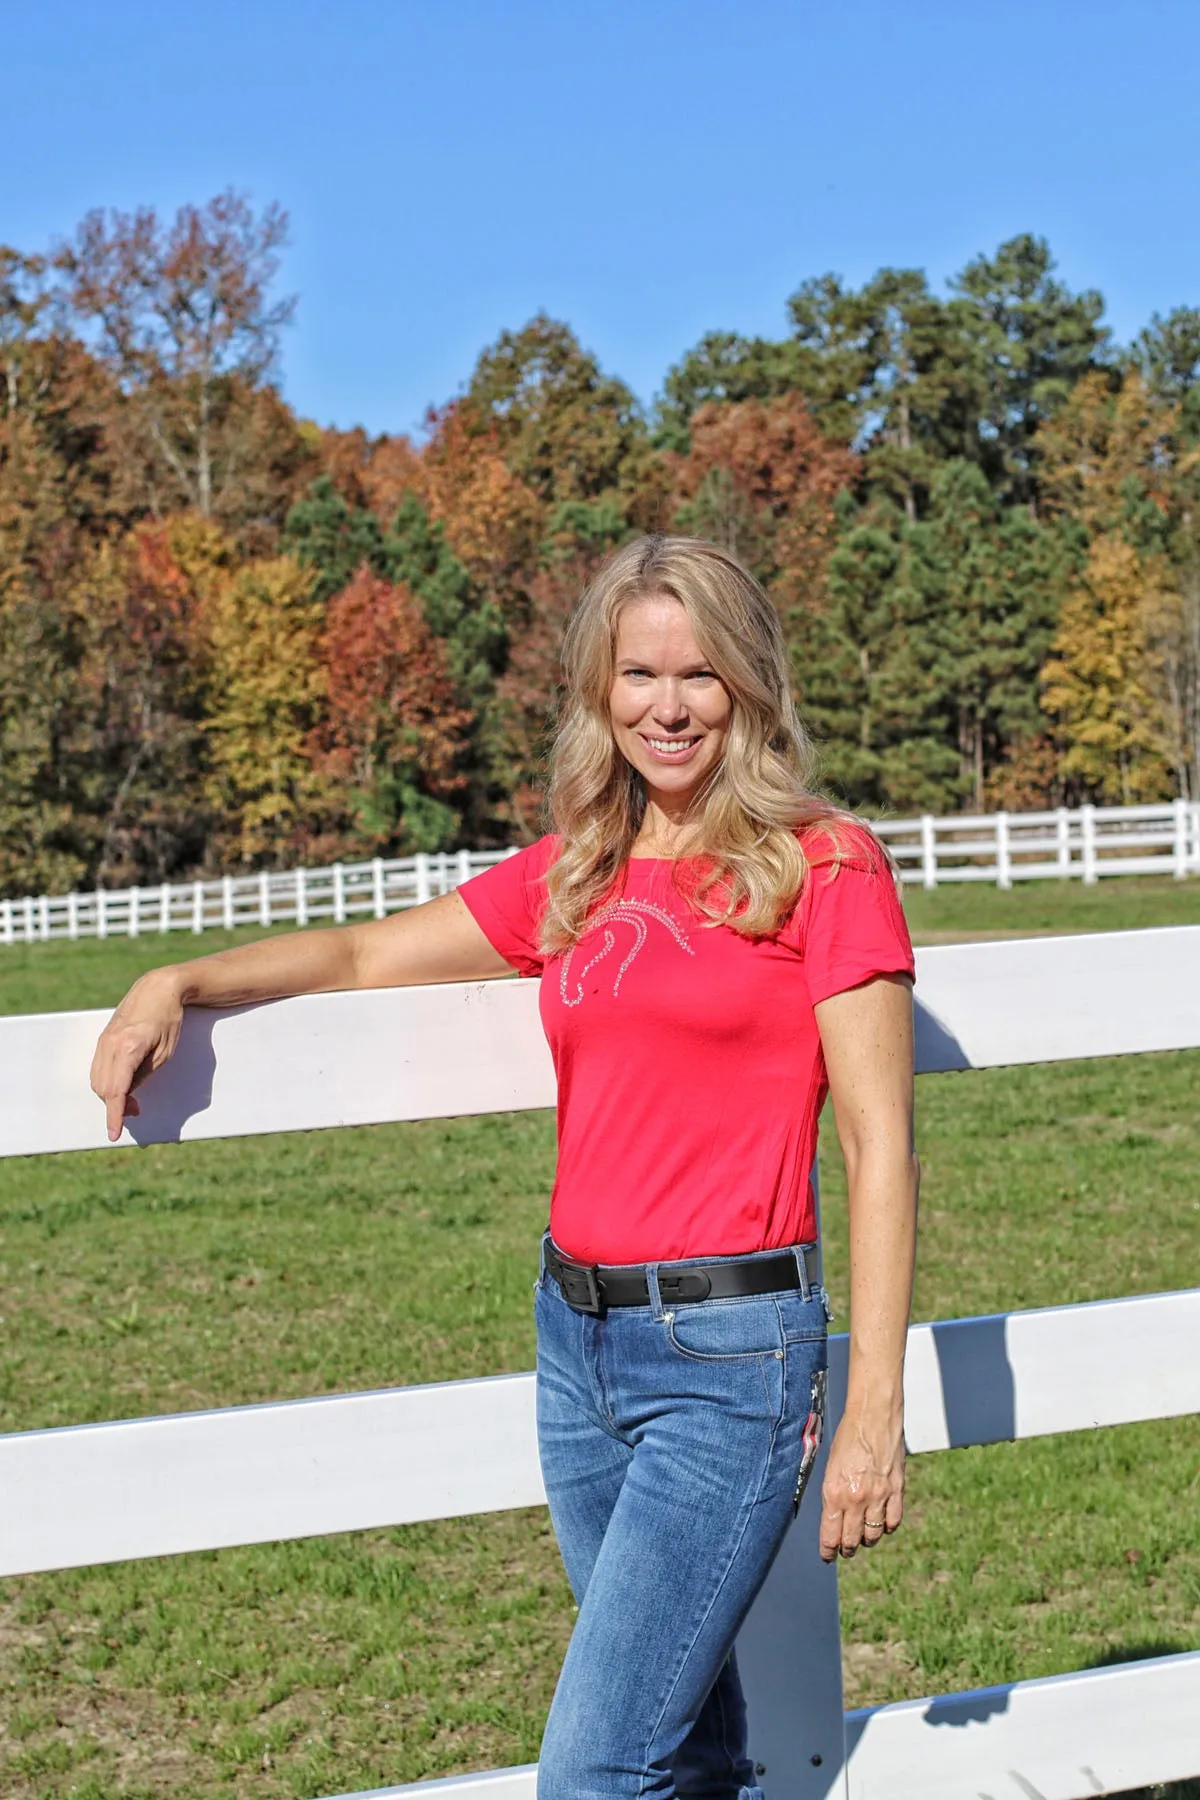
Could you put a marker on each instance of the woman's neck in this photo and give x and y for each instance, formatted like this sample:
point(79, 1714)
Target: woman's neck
point(666, 831)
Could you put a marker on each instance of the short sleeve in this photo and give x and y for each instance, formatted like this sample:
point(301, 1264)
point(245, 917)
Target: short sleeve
point(849, 925)
point(507, 902)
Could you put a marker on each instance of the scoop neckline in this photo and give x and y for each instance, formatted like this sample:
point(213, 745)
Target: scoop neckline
point(692, 856)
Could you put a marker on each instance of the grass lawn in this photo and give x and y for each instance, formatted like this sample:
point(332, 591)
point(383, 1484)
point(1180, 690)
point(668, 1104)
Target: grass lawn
point(209, 1274)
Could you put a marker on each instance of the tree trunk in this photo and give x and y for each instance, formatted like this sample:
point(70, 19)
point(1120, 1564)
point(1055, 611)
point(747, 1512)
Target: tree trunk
point(203, 451)
point(910, 499)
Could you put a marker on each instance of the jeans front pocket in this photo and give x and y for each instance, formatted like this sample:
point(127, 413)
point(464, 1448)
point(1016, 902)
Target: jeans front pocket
point(814, 1428)
point(726, 1330)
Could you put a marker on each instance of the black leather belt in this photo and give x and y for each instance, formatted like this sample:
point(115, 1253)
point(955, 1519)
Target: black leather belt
point(593, 1287)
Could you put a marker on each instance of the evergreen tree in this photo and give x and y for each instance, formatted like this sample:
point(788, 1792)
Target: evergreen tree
point(333, 539)
point(1032, 340)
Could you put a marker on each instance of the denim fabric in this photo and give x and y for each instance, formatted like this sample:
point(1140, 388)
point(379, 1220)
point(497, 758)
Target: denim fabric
point(673, 1442)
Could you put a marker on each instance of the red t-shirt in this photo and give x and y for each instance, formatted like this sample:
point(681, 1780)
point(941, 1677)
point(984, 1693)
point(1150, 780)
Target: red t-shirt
point(690, 1072)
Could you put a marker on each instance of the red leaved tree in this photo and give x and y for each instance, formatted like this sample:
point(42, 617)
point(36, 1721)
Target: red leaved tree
point(761, 480)
point(393, 732)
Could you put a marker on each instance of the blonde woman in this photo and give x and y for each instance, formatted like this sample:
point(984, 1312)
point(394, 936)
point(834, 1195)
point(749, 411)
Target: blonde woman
point(717, 949)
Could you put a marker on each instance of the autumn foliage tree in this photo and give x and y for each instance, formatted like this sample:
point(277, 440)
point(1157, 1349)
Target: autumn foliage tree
point(266, 688)
point(182, 316)
point(233, 638)
point(1098, 684)
point(762, 481)
point(392, 734)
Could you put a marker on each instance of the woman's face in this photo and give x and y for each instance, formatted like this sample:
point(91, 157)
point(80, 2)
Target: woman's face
point(670, 714)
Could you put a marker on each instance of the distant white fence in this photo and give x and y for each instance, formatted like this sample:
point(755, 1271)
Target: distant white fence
point(1082, 844)
point(195, 1481)
point(1001, 848)
point(271, 897)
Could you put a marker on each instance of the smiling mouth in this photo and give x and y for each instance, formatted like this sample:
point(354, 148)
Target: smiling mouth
point(675, 748)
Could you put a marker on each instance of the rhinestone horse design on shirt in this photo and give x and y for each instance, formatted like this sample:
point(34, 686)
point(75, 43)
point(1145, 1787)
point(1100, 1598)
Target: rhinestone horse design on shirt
point(618, 912)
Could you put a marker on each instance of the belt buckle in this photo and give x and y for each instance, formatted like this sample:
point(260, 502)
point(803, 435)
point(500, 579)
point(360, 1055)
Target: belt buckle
point(688, 1284)
point(587, 1273)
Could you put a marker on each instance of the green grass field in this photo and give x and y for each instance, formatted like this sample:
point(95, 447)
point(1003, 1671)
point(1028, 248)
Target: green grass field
point(210, 1274)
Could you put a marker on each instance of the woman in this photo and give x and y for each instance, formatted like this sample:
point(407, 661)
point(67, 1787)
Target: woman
point(717, 949)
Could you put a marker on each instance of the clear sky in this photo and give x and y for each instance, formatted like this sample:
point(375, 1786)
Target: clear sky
point(645, 169)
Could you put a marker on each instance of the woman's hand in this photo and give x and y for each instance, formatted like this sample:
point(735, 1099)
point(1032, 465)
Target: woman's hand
point(139, 1038)
point(862, 1495)
point(437, 941)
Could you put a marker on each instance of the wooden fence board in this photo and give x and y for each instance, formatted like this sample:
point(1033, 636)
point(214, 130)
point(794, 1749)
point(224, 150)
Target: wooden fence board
point(251, 1474)
point(477, 1047)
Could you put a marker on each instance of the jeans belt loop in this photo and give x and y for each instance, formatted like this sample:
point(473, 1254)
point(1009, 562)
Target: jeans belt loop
point(802, 1271)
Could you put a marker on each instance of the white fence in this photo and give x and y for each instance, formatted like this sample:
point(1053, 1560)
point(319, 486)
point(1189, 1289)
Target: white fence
point(147, 1487)
point(1080, 844)
point(1001, 848)
point(271, 897)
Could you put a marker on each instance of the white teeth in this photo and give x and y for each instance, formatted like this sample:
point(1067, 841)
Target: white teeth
point(672, 744)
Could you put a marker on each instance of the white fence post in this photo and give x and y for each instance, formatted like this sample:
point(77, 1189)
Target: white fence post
point(264, 897)
point(227, 902)
point(101, 914)
point(164, 907)
point(1003, 852)
point(464, 867)
point(44, 918)
point(1180, 856)
point(1087, 830)
point(134, 922)
point(6, 922)
point(422, 861)
point(378, 901)
point(72, 915)
point(929, 869)
point(1062, 834)
point(301, 896)
point(197, 906)
point(339, 894)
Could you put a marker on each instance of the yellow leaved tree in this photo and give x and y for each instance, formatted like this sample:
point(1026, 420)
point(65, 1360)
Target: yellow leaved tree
point(1101, 681)
point(267, 686)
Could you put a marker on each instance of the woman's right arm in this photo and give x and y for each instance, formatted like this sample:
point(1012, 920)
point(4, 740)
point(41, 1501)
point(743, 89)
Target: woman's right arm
point(438, 941)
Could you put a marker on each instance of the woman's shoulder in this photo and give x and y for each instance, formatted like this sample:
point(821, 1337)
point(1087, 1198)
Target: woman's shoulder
point(532, 860)
point(840, 838)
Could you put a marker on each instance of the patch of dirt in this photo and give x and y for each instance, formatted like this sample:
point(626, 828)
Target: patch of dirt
point(875, 1672)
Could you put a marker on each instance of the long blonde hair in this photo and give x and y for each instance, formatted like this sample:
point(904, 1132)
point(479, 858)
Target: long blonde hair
point(752, 867)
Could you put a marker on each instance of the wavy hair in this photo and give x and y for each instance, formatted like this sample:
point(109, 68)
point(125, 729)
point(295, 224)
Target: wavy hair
point(748, 866)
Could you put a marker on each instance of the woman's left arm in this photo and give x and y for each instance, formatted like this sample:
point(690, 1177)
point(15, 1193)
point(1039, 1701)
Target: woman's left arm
point(867, 1038)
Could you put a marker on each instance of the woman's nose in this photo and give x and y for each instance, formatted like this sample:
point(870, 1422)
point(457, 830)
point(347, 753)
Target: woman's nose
point(669, 708)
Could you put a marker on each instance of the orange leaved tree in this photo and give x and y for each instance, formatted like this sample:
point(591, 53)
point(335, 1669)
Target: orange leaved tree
point(392, 736)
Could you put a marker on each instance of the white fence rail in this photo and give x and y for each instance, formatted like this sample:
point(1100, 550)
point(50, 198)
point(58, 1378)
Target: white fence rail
point(1080, 844)
point(365, 890)
point(146, 1487)
point(1001, 848)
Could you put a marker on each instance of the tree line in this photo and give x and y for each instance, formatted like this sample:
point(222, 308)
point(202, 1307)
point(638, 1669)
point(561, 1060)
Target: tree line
point(231, 638)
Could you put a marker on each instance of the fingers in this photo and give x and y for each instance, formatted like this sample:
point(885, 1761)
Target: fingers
point(850, 1522)
point(830, 1536)
point(119, 1064)
point(846, 1530)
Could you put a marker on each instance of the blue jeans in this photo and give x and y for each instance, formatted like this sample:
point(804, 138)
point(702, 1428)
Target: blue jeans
point(674, 1444)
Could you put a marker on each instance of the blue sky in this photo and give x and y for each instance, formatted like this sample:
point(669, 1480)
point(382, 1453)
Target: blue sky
point(646, 171)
